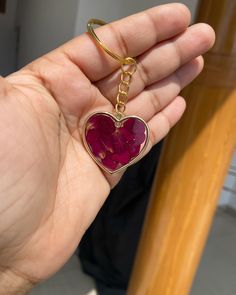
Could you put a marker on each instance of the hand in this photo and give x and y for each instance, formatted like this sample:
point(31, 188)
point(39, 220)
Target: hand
point(50, 188)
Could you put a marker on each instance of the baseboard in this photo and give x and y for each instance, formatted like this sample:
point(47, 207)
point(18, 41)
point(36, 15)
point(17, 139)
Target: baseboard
point(227, 209)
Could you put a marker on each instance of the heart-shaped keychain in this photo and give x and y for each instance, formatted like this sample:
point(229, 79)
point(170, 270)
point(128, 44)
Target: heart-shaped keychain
point(115, 141)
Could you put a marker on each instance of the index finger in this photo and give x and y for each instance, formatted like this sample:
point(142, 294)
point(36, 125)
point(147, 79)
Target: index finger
point(130, 36)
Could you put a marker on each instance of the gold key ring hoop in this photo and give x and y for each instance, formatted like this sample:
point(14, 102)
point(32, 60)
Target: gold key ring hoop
point(122, 60)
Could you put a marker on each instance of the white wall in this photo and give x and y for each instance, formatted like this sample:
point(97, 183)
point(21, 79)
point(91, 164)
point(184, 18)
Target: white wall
point(45, 24)
point(228, 196)
point(8, 39)
point(110, 10)
point(8, 19)
point(232, 201)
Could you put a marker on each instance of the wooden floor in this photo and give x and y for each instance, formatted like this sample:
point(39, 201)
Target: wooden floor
point(216, 274)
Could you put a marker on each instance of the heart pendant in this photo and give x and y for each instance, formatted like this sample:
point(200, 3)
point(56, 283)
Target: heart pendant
point(115, 143)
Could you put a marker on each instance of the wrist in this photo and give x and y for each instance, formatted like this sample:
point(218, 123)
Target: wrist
point(13, 284)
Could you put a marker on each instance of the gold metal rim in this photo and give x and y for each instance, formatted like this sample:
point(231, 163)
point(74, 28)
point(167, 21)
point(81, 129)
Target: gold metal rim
point(136, 159)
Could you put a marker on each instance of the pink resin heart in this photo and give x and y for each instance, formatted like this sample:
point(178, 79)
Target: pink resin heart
point(115, 144)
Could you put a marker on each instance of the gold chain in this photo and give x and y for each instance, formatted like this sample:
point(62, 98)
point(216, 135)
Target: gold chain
point(127, 70)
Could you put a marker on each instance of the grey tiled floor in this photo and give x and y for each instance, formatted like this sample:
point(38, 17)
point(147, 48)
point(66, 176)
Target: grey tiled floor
point(216, 274)
point(70, 280)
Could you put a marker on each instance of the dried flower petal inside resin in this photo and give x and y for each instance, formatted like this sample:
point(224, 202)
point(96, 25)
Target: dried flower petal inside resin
point(115, 144)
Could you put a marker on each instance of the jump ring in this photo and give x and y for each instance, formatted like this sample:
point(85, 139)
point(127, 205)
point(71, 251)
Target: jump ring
point(122, 60)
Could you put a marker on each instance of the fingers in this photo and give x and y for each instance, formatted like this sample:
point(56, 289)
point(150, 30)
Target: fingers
point(159, 126)
point(156, 97)
point(162, 122)
point(130, 36)
point(4, 87)
point(162, 60)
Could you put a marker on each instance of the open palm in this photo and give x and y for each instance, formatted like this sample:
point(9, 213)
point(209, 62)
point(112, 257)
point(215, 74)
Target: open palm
point(50, 188)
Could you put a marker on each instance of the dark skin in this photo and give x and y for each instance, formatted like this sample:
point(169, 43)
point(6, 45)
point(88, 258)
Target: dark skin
point(50, 188)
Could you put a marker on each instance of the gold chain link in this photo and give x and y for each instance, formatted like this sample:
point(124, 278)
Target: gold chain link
point(127, 70)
